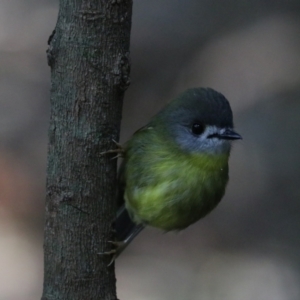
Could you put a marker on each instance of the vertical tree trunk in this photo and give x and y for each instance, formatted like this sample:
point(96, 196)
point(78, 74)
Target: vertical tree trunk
point(89, 58)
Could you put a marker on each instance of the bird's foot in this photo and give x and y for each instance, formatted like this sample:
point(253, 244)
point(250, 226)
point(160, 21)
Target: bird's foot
point(118, 248)
point(119, 150)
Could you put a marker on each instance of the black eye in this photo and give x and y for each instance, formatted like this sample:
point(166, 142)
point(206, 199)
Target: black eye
point(198, 128)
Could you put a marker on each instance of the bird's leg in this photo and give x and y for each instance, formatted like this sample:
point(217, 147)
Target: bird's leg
point(119, 150)
point(119, 246)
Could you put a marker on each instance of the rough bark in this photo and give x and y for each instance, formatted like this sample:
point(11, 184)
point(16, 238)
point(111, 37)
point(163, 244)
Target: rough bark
point(89, 58)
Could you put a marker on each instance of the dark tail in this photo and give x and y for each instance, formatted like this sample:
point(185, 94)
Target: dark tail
point(124, 224)
point(126, 230)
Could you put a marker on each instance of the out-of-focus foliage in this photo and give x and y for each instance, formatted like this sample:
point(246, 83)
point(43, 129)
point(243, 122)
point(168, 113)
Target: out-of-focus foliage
point(248, 50)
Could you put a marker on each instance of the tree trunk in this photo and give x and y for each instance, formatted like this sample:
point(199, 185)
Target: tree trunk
point(89, 58)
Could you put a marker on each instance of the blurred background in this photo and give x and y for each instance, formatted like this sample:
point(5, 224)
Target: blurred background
point(249, 247)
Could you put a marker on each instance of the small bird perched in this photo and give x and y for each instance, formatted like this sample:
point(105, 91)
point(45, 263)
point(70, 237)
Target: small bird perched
point(175, 169)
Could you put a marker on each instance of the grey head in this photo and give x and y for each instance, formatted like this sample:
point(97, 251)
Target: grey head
point(199, 120)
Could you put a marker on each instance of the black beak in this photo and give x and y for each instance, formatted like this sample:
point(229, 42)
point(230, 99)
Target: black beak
point(228, 134)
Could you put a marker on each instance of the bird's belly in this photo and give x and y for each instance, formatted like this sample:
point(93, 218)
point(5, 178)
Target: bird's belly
point(175, 203)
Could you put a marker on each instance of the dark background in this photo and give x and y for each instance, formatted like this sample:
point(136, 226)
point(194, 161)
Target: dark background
point(248, 248)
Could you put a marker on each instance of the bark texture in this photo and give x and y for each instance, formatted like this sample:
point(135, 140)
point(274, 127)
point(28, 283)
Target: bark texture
point(89, 58)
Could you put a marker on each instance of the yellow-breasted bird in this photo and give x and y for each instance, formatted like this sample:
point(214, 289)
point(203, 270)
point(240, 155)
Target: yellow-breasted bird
point(175, 169)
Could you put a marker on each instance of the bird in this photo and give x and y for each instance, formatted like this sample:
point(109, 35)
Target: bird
point(175, 168)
